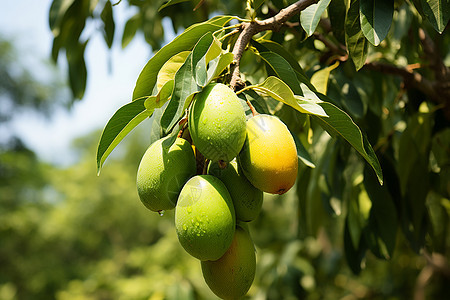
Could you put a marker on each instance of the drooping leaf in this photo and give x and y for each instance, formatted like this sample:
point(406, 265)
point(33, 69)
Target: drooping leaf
point(320, 78)
point(56, 13)
point(278, 90)
point(383, 215)
point(437, 13)
point(270, 45)
point(171, 2)
point(183, 42)
point(77, 70)
point(354, 37)
point(130, 29)
point(376, 18)
point(283, 70)
point(302, 153)
point(121, 123)
point(108, 23)
point(310, 17)
point(336, 13)
point(339, 123)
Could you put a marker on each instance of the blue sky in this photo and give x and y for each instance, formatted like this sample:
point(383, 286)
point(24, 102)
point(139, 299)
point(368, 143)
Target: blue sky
point(106, 92)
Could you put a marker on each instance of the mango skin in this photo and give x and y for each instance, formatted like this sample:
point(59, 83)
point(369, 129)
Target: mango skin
point(217, 123)
point(231, 276)
point(163, 171)
point(269, 155)
point(205, 219)
point(247, 199)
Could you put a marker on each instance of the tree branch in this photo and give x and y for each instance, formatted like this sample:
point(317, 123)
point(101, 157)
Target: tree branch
point(248, 30)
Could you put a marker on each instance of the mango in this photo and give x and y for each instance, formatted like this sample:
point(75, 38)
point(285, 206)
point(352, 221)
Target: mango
point(217, 123)
point(269, 155)
point(247, 199)
point(205, 219)
point(231, 276)
point(163, 171)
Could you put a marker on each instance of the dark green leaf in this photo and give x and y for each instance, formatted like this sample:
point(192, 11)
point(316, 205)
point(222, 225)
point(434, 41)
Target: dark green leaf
point(339, 123)
point(376, 19)
point(108, 23)
point(130, 29)
point(283, 70)
point(354, 37)
point(77, 70)
point(171, 2)
point(354, 255)
point(336, 13)
point(310, 17)
point(302, 153)
point(437, 13)
point(57, 11)
point(121, 123)
point(185, 41)
point(383, 215)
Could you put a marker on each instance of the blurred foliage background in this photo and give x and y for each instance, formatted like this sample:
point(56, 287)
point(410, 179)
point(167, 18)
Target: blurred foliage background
point(67, 234)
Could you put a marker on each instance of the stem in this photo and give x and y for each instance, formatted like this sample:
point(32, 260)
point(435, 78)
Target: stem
point(249, 29)
point(252, 108)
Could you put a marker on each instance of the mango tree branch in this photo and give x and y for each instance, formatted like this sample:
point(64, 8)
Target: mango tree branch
point(249, 29)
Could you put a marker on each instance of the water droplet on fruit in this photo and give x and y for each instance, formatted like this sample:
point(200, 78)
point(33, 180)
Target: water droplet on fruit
point(161, 213)
point(204, 120)
point(189, 209)
point(184, 227)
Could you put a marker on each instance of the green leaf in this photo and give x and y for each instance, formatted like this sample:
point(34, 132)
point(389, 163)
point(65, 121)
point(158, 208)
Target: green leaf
point(437, 13)
point(108, 23)
point(310, 17)
point(278, 90)
point(199, 58)
point(170, 68)
point(77, 70)
point(130, 29)
point(302, 153)
point(283, 70)
point(171, 2)
point(185, 87)
point(336, 13)
point(270, 45)
point(376, 18)
point(320, 78)
point(185, 41)
point(56, 13)
point(121, 123)
point(383, 215)
point(354, 38)
point(339, 123)
point(219, 64)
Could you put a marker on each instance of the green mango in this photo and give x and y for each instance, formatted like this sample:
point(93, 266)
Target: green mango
point(163, 171)
point(247, 199)
point(217, 123)
point(205, 219)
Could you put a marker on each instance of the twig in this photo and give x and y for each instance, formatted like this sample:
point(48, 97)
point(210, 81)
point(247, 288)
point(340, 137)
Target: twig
point(249, 29)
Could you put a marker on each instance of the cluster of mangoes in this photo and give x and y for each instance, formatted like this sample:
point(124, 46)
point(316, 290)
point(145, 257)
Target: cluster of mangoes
point(240, 159)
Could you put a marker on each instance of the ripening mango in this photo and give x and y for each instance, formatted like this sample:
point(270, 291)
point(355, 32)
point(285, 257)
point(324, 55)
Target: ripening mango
point(231, 276)
point(269, 155)
point(217, 123)
point(247, 199)
point(163, 171)
point(205, 219)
